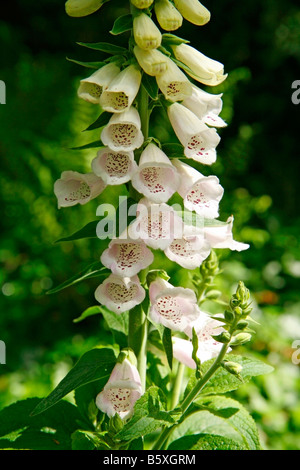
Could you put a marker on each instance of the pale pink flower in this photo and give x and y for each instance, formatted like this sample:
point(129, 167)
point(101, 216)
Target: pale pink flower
point(123, 131)
point(121, 391)
point(156, 177)
point(206, 107)
point(126, 257)
point(220, 236)
point(173, 307)
point(114, 167)
point(91, 88)
point(173, 83)
point(120, 294)
point(201, 194)
point(156, 224)
point(122, 90)
point(199, 141)
point(76, 188)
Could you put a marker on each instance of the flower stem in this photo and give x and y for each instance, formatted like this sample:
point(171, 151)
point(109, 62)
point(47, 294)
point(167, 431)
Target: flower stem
point(137, 339)
point(177, 385)
point(143, 108)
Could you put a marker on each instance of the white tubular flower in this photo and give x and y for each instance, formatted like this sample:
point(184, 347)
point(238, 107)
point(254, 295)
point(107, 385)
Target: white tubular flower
point(120, 294)
point(156, 177)
point(114, 167)
point(183, 351)
point(193, 11)
point(221, 237)
point(121, 392)
point(153, 62)
point(123, 131)
point(126, 257)
point(157, 224)
point(168, 17)
point(91, 88)
point(121, 92)
point(76, 188)
point(173, 83)
point(199, 141)
point(78, 8)
point(142, 4)
point(203, 69)
point(206, 107)
point(189, 251)
point(146, 33)
point(173, 307)
point(201, 194)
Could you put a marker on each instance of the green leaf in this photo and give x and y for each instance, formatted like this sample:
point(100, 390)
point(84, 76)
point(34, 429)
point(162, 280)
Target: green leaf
point(122, 24)
point(149, 415)
point(93, 365)
point(101, 121)
point(88, 231)
point(172, 39)
point(136, 444)
point(241, 420)
point(88, 313)
point(89, 65)
point(51, 430)
point(95, 269)
point(223, 381)
point(104, 47)
point(85, 401)
point(114, 321)
point(150, 85)
point(205, 442)
point(91, 145)
point(86, 440)
point(168, 346)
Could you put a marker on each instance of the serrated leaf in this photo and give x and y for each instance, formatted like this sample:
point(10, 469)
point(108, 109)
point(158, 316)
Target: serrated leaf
point(122, 24)
point(91, 145)
point(95, 269)
point(150, 86)
point(88, 231)
point(93, 365)
point(205, 442)
point(89, 65)
point(104, 47)
point(101, 121)
point(87, 440)
point(91, 311)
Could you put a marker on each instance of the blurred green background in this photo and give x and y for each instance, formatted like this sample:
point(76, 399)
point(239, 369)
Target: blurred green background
point(258, 165)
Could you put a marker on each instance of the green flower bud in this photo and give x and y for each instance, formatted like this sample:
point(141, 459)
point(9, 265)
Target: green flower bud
point(232, 367)
point(116, 424)
point(213, 294)
point(242, 325)
point(78, 8)
point(168, 17)
point(238, 311)
point(240, 338)
point(224, 337)
point(128, 354)
point(242, 294)
point(210, 267)
point(145, 32)
point(229, 316)
point(156, 273)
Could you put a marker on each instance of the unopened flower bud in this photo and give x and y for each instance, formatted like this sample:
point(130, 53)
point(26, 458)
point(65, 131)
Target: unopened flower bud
point(242, 325)
point(229, 316)
point(141, 4)
point(146, 34)
point(152, 61)
point(238, 311)
point(78, 8)
point(240, 338)
point(224, 337)
point(167, 15)
point(210, 266)
point(242, 293)
point(193, 11)
point(232, 367)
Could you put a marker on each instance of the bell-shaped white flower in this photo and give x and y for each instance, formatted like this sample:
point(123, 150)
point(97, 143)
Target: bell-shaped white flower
point(199, 141)
point(206, 107)
point(142, 4)
point(173, 307)
point(76, 188)
point(123, 131)
point(157, 224)
point(152, 61)
point(193, 11)
point(190, 250)
point(146, 33)
point(167, 15)
point(126, 257)
point(114, 167)
point(173, 83)
point(120, 294)
point(201, 68)
point(78, 8)
point(121, 391)
point(122, 91)
point(221, 236)
point(156, 177)
point(91, 88)
point(201, 194)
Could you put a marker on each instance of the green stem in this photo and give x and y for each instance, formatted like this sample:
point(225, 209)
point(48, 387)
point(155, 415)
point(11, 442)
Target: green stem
point(177, 385)
point(137, 340)
point(143, 108)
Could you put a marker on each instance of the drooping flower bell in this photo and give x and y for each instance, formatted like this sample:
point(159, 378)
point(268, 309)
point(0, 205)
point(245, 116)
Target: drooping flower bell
point(91, 88)
point(221, 236)
point(126, 257)
point(122, 90)
point(120, 294)
point(156, 177)
point(199, 141)
point(142, 4)
point(173, 83)
point(76, 188)
point(123, 131)
point(201, 68)
point(152, 61)
point(78, 8)
point(122, 390)
point(201, 194)
point(173, 307)
point(206, 107)
point(193, 11)
point(167, 15)
point(146, 33)
point(114, 167)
